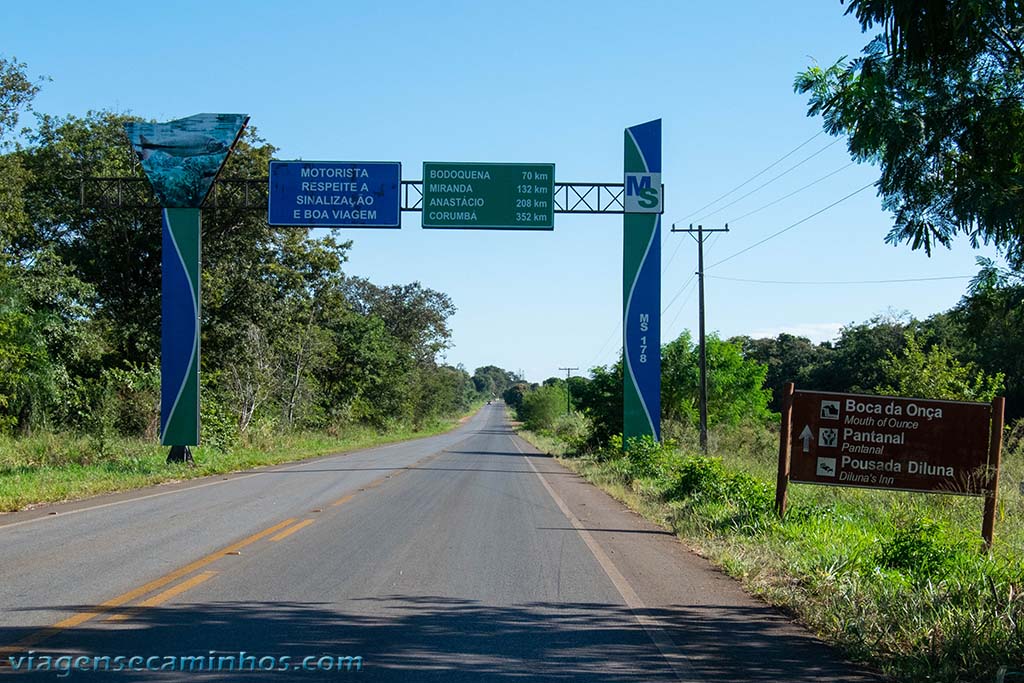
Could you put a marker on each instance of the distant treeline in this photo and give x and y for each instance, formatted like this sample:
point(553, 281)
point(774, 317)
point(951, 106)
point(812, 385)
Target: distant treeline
point(974, 351)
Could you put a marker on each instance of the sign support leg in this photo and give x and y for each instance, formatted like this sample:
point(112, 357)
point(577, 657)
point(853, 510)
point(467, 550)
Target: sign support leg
point(785, 450)
point(994, 454)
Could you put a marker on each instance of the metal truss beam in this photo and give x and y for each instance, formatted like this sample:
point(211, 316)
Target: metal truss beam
point(251, 195)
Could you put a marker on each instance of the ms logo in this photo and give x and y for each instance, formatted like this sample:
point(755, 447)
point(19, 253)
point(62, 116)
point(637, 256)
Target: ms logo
point(643, 193)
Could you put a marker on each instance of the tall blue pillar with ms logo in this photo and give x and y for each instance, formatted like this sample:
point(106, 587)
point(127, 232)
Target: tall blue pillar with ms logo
point(641, 286)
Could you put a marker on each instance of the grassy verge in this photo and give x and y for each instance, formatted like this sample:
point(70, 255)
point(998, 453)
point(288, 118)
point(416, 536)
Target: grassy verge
point(57, 467)
point(898, 581)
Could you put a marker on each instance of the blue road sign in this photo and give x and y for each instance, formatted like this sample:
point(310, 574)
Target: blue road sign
point(335, 194)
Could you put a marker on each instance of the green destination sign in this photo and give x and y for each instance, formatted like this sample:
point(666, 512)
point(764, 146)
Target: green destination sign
point(488, 196)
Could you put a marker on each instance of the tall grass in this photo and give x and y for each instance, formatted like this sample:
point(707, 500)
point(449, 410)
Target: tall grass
point(49, 467)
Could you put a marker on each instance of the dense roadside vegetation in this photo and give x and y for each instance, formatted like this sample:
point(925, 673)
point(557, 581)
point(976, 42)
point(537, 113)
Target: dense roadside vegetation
point(899, 581)
point(298, 358)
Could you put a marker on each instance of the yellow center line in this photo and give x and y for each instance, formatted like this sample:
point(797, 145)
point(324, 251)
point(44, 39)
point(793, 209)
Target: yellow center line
point(104, 607)
point(288, 532)
point(372, 485)
point(161, 598)
point(343, 500)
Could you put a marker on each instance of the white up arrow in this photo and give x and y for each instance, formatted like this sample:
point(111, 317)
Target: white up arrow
point(807, 435)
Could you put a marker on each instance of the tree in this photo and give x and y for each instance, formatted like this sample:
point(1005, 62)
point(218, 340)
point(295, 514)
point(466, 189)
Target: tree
point(735, 384)
point(542, 406)
point(788, 358)
point(854, 364)
point(936, 373)
point(439, 390)
point(16, 94)
point(491, 380)
point(414, 314)
point(513, 396)
point(989, 319)
point(937, 101)
point(600, 400)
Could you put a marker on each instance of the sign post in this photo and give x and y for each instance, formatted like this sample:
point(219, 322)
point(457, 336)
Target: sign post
point(995, 451)
point(641, 283)
point(892, 443)
point(182, 159)
point(782, 483)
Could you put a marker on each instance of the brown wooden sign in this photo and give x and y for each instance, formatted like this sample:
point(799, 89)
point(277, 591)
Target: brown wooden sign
point(890, 443)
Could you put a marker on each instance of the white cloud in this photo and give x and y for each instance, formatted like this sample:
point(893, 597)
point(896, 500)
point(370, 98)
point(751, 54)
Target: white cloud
point(816, 332)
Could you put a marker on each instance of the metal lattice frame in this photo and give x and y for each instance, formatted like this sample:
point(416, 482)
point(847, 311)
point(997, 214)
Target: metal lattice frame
point(251, 195)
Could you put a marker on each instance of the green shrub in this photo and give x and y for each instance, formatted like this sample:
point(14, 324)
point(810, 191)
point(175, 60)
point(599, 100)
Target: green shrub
point(612, 450)
point(218, 422)
point(573, 430)
point(699, 477)
point(541, 407)
point(750, 494)
point(135, 392)
point(917, 550)
point(513, 396)
point(707, 480)
point(647, 457)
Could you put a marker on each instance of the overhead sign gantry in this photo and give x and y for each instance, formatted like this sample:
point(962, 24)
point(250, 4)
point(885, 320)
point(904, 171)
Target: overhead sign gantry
point(185, 156)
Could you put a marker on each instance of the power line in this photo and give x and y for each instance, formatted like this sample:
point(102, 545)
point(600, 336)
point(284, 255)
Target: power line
point(769, 204)
point(689, 282)
point(755, 176)
point(680, 311)
point(841, 282)
point(680, 291)
point(672, 257)
point(611, 336)
point(797, 191)
point(714, 239)
point(791, 226)
point(769, 182)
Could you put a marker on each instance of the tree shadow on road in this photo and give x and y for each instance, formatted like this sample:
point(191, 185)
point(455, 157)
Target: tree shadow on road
point(429, 638)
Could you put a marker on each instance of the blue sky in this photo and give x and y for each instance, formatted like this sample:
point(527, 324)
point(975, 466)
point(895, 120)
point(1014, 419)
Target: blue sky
point(532, 82)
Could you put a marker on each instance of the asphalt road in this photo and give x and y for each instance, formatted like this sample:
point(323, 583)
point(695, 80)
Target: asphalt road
point(462, 557)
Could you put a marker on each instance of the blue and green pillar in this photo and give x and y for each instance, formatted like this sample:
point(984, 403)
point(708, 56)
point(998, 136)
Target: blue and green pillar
point(182, 159)
point(641, 286)
point(179, 334)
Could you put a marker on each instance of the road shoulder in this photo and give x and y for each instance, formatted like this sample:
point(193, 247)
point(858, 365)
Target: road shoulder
point(723, 632)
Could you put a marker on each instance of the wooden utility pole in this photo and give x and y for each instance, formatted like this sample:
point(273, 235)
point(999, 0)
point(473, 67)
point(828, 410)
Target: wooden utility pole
point(568, 389)
point(700, 233)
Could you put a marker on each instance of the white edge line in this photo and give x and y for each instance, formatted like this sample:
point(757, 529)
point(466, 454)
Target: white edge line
point(682, 669)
